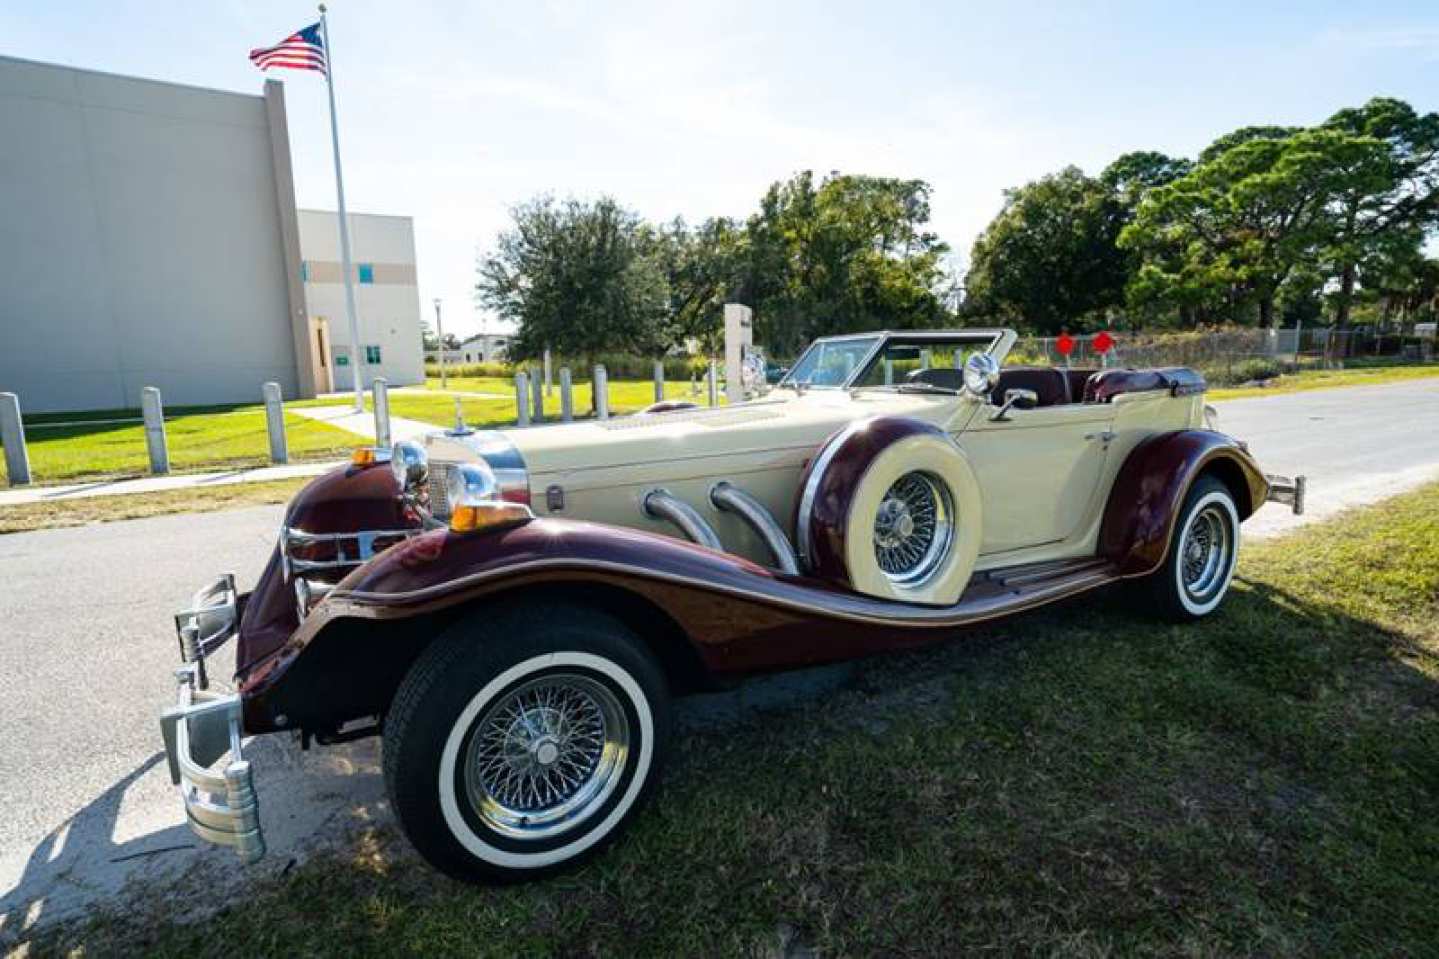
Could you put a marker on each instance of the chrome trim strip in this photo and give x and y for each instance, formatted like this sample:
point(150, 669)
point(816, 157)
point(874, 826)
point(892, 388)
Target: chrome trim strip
point(852, 607)
point(364, 547)
point(731, 498)
point(811, 490)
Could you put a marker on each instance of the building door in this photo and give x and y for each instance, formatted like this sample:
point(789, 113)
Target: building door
point(320, 343)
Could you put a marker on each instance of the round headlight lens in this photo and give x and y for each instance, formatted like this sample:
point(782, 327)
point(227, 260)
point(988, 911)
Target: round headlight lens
point(470, 484)
point(410, 464)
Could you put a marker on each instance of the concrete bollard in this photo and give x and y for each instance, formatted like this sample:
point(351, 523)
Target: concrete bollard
point(926, 359)
point(12, 434)
point(601, 387)
point(537, 389)
point(153, 411)
point(567, 399)
point(659, 380)
point(381, 388)
point(275, 422)
point(522, 399)
point(549, 383)
point(712, 379)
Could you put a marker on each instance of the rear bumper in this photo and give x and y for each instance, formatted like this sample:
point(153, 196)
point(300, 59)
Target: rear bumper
point(1286, 490)
point(203, 727)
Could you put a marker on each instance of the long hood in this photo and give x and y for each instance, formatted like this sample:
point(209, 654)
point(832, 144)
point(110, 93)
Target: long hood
point(783, 423)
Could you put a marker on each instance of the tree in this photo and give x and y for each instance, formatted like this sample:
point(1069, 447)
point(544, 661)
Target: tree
point(1251, 213)
point(580, 278)
point(851, 253)
point(1049, 260)
point(1386, 207)
point(702, 268)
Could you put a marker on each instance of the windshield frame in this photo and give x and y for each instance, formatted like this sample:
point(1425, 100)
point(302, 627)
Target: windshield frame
point(996, 342)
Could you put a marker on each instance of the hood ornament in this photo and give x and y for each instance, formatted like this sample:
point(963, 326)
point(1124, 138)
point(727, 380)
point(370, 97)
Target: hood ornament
point(460, 429)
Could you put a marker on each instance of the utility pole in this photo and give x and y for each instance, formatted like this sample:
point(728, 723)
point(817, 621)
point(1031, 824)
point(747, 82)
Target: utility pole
point(440, 332)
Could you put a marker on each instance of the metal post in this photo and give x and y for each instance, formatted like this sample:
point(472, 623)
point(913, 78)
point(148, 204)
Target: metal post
point(154, 412)
point(601, 387)
point(567, 399)
point(522, 399)
point(712, 378)
point(659, 380)
point(381, 387)
point(440, 332)
point(354, 317)
point(549, 382)
point(537, 391)
point(275, 421)
point(12, 435)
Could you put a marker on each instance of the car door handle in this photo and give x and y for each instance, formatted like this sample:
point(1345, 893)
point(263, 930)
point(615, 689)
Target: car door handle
point(1105, 436)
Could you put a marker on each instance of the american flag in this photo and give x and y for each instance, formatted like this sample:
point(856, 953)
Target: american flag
point(303, 50)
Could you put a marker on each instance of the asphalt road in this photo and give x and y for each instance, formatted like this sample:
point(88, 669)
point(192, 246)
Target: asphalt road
point(87, 649)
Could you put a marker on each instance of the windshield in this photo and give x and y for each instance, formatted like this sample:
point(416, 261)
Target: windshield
point(830, 363)
point(930, 361)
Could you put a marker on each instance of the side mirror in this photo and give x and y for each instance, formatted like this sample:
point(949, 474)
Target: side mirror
point(981, 374)
point(1017, 399)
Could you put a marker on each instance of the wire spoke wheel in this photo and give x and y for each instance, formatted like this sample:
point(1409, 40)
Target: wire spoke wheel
point(546, 755)
point(913, 528)
point(1204, 552)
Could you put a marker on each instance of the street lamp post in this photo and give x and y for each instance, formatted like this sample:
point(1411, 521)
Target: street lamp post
point(440, 332)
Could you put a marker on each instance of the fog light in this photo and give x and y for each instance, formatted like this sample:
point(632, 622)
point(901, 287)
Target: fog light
point(369, 456)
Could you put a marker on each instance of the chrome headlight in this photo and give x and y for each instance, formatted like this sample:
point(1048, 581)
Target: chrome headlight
point(410, 463)
point(475, 503)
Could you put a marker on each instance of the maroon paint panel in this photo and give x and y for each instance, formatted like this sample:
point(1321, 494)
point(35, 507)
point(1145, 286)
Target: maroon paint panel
point(345, 500)
point(844, 457)
point(351, 498)
point(1150, 488)
point(740, 618)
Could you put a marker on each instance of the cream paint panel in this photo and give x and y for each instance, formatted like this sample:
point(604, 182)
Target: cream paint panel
point(1039, 471)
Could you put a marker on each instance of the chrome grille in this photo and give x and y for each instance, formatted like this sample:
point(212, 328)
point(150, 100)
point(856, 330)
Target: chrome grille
point(440, 490)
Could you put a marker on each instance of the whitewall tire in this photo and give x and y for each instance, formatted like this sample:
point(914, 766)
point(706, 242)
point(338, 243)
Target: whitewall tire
point(1203, 552)
point(518, 748)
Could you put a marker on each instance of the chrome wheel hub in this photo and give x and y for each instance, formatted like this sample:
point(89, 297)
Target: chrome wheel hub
point(1204, 552)
point(913, 528)
point(546, 755)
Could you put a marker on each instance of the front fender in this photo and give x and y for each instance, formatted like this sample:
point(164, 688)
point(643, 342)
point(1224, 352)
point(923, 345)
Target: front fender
point(1146, 497)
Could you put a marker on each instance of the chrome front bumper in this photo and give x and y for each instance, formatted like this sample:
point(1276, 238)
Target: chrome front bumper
point(1283, 489)
point(204, 726)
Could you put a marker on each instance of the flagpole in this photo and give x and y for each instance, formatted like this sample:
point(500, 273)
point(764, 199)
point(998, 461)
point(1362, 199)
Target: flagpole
point(344, 221)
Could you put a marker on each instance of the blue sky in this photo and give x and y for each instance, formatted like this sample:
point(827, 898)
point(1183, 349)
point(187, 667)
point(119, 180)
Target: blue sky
point(453, 113)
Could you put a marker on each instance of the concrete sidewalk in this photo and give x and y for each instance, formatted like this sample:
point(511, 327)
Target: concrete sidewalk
point(156, 484)
point(344, 417)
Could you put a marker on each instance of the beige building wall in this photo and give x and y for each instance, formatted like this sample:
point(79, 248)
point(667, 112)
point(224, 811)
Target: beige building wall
point(142, 242)
point(387, 296)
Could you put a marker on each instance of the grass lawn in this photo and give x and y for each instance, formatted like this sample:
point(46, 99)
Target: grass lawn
point(1326, 379)
point(106, 509)
point(110, 444)
point(435, 406)
point(1078, 781)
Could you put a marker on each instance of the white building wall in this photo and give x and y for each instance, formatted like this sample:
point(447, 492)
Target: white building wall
point(140, 243)
point(388, 307)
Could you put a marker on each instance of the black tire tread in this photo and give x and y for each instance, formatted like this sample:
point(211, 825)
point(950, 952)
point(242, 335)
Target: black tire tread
point(511, 633)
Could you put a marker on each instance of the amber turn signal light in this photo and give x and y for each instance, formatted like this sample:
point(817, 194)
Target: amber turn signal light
point(482, 516)
point(363, 456)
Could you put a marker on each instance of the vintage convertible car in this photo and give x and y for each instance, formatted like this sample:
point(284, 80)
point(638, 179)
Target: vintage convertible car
point(513, 611)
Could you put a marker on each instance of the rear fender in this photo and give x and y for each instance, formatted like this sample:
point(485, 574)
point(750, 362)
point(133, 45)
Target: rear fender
point(1146, 497)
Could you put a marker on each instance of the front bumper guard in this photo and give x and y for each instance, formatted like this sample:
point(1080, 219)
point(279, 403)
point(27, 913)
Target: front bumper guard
point(1283, 489)
point(203, 726)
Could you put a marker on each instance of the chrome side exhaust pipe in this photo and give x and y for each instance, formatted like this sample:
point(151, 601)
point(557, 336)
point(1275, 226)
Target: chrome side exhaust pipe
point(730, 498)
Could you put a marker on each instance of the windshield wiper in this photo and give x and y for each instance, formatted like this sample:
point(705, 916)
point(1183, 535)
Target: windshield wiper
point(922, 387)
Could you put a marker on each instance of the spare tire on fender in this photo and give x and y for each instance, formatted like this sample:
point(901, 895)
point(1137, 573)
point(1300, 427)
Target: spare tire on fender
point(890, 507)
